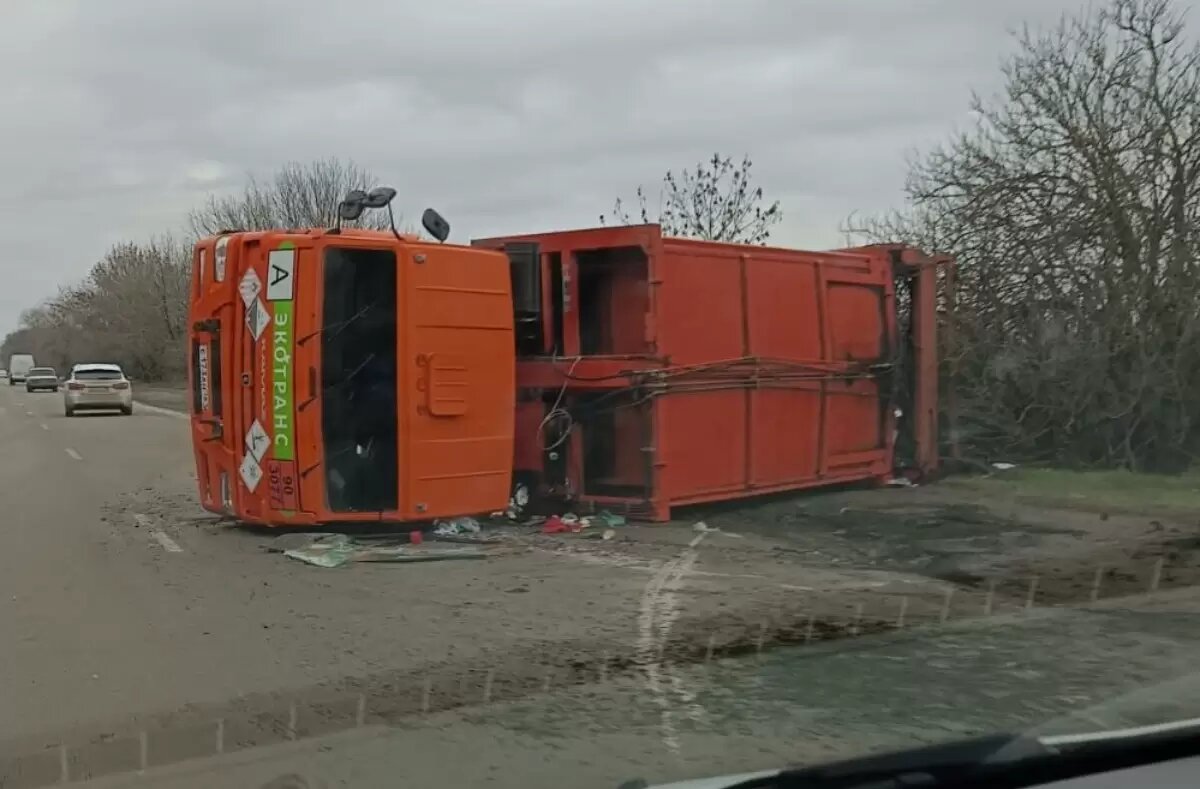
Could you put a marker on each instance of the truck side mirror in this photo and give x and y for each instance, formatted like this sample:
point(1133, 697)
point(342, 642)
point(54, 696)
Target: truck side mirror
point(435, 225)
point(379, 197)
point(352, 206)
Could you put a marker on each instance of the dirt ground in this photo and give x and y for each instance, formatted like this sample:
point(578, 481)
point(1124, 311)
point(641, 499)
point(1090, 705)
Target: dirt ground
point(274, 649)
point(716, 582)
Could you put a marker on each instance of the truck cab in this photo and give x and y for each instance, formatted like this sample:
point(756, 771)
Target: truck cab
point(342, 375)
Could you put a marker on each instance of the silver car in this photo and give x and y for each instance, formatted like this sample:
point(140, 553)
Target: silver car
point(97, 386)
point(41, 378)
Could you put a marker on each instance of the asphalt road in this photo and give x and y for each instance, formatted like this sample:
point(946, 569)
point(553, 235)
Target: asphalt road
point(141, 633)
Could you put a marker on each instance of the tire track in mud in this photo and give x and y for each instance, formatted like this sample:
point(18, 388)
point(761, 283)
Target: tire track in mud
point(658, 610)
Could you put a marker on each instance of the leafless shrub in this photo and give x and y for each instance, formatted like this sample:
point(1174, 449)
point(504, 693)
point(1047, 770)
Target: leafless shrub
point(717, 201)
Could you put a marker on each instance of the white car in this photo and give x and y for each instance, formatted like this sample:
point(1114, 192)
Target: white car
point(41, 378)
point(95, 387)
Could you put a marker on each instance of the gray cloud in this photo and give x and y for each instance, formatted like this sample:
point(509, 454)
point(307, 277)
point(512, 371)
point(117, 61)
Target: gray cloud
point(513, 117)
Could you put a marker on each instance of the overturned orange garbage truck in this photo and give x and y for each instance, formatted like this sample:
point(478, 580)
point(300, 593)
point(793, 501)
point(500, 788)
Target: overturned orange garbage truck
point(342, 375)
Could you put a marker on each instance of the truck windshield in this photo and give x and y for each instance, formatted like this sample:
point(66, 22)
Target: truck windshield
point(358, 378)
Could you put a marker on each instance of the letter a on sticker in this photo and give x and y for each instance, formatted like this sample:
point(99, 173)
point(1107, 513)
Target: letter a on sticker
point(281, 265)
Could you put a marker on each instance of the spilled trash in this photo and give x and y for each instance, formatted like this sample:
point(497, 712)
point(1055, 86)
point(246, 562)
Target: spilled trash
point(337, 550)
point(700, 527)
point(558, 524)
point(455, 527)
point(609, 520)
point(331, 549)
point(570, 523)
point(516, 504)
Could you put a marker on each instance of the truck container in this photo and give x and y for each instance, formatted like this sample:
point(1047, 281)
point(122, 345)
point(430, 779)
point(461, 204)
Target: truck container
point(654, 372)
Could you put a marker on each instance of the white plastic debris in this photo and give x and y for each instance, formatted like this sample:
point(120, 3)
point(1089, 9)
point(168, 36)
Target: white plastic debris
point(517, 503)
point(1002, 466)
point(455, 526)
point(901, 482)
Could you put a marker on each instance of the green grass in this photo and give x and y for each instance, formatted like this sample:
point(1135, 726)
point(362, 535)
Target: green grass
point(1094, 491)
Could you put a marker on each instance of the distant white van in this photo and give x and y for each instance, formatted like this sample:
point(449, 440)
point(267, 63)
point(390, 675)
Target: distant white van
point(19, 365)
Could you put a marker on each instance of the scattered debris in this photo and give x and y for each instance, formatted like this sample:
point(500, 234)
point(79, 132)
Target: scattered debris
point(336, 550)
point(322, 550)
point(610, 519)
point(404, 553)
point(558, 524)
point(455, 527)
point(1002, 466)
point(900, 482)
point(704, 528)
point(518, 502)
point(285, 542)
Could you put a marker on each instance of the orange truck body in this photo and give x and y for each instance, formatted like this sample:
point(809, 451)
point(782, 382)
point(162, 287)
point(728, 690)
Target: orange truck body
point(612, 368)
point(260, 388)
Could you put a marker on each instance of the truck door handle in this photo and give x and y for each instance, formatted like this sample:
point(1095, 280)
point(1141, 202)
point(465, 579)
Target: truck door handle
point(312, 388)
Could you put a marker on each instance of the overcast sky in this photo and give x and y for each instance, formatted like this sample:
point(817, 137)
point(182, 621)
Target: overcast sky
point(515, 116)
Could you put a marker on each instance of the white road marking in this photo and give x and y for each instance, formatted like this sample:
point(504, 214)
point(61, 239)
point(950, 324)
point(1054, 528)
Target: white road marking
point(161, 411)
point(166, 542)
point(28, 413)
point(44, 426)
point(159, 536)
point(75, 455)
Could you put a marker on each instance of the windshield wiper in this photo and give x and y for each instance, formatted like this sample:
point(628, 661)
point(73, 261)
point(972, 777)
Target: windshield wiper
point(1001, 760)
point(340, 326)
point(944, 765)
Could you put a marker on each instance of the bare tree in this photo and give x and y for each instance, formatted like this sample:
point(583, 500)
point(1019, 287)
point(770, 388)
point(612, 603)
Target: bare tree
point(296, 196)
point(131, 308)
point(1074, 210)
point(716, 201)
